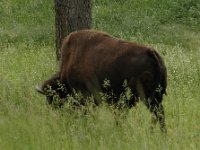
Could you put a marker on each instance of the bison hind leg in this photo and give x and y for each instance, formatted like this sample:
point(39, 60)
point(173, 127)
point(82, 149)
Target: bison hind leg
point(157, 111)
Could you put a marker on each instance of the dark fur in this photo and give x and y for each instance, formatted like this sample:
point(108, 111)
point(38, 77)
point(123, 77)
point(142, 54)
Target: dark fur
point(89, 57)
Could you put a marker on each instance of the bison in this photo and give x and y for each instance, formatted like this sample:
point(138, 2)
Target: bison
point(88, 57)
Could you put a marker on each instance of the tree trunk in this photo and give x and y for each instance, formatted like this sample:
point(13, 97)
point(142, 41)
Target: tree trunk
point(71, 15)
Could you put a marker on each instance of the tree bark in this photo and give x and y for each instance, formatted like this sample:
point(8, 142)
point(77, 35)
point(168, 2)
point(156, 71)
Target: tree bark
point(71, 15)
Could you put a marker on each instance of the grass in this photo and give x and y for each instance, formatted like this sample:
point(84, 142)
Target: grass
point(27, 57)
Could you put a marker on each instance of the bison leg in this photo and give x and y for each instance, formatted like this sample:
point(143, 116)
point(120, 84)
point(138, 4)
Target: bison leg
point(158, 115)
point(161, 118)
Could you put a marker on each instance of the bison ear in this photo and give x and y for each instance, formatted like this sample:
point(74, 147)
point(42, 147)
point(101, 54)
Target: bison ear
point(39, 89)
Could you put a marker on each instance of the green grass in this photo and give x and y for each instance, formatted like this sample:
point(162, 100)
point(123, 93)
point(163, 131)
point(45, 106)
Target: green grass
point(27, 57)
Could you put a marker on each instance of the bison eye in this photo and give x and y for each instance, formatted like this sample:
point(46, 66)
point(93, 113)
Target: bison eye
point(51, 99)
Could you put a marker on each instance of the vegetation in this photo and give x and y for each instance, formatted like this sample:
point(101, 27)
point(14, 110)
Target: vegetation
point(27, 57)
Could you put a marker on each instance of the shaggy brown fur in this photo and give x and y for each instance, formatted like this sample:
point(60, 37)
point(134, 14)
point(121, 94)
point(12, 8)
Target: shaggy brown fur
point(89, 57)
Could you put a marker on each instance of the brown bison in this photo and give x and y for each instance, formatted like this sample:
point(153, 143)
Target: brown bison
point(89, 57)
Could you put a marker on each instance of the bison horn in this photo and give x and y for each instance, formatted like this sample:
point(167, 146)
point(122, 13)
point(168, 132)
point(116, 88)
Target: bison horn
point(39, 89)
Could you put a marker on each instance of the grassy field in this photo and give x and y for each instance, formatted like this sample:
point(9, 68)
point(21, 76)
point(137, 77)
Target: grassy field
point(27, 57)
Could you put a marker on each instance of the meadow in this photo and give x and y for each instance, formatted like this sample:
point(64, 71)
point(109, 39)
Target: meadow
point(27, 57)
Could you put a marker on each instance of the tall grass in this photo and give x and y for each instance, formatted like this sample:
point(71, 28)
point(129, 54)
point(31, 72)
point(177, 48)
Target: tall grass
point(27, 57)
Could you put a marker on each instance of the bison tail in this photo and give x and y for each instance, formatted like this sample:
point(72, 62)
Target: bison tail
point(160, 72)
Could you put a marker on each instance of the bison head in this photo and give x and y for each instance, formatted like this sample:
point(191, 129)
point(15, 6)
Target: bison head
point(54, 91)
